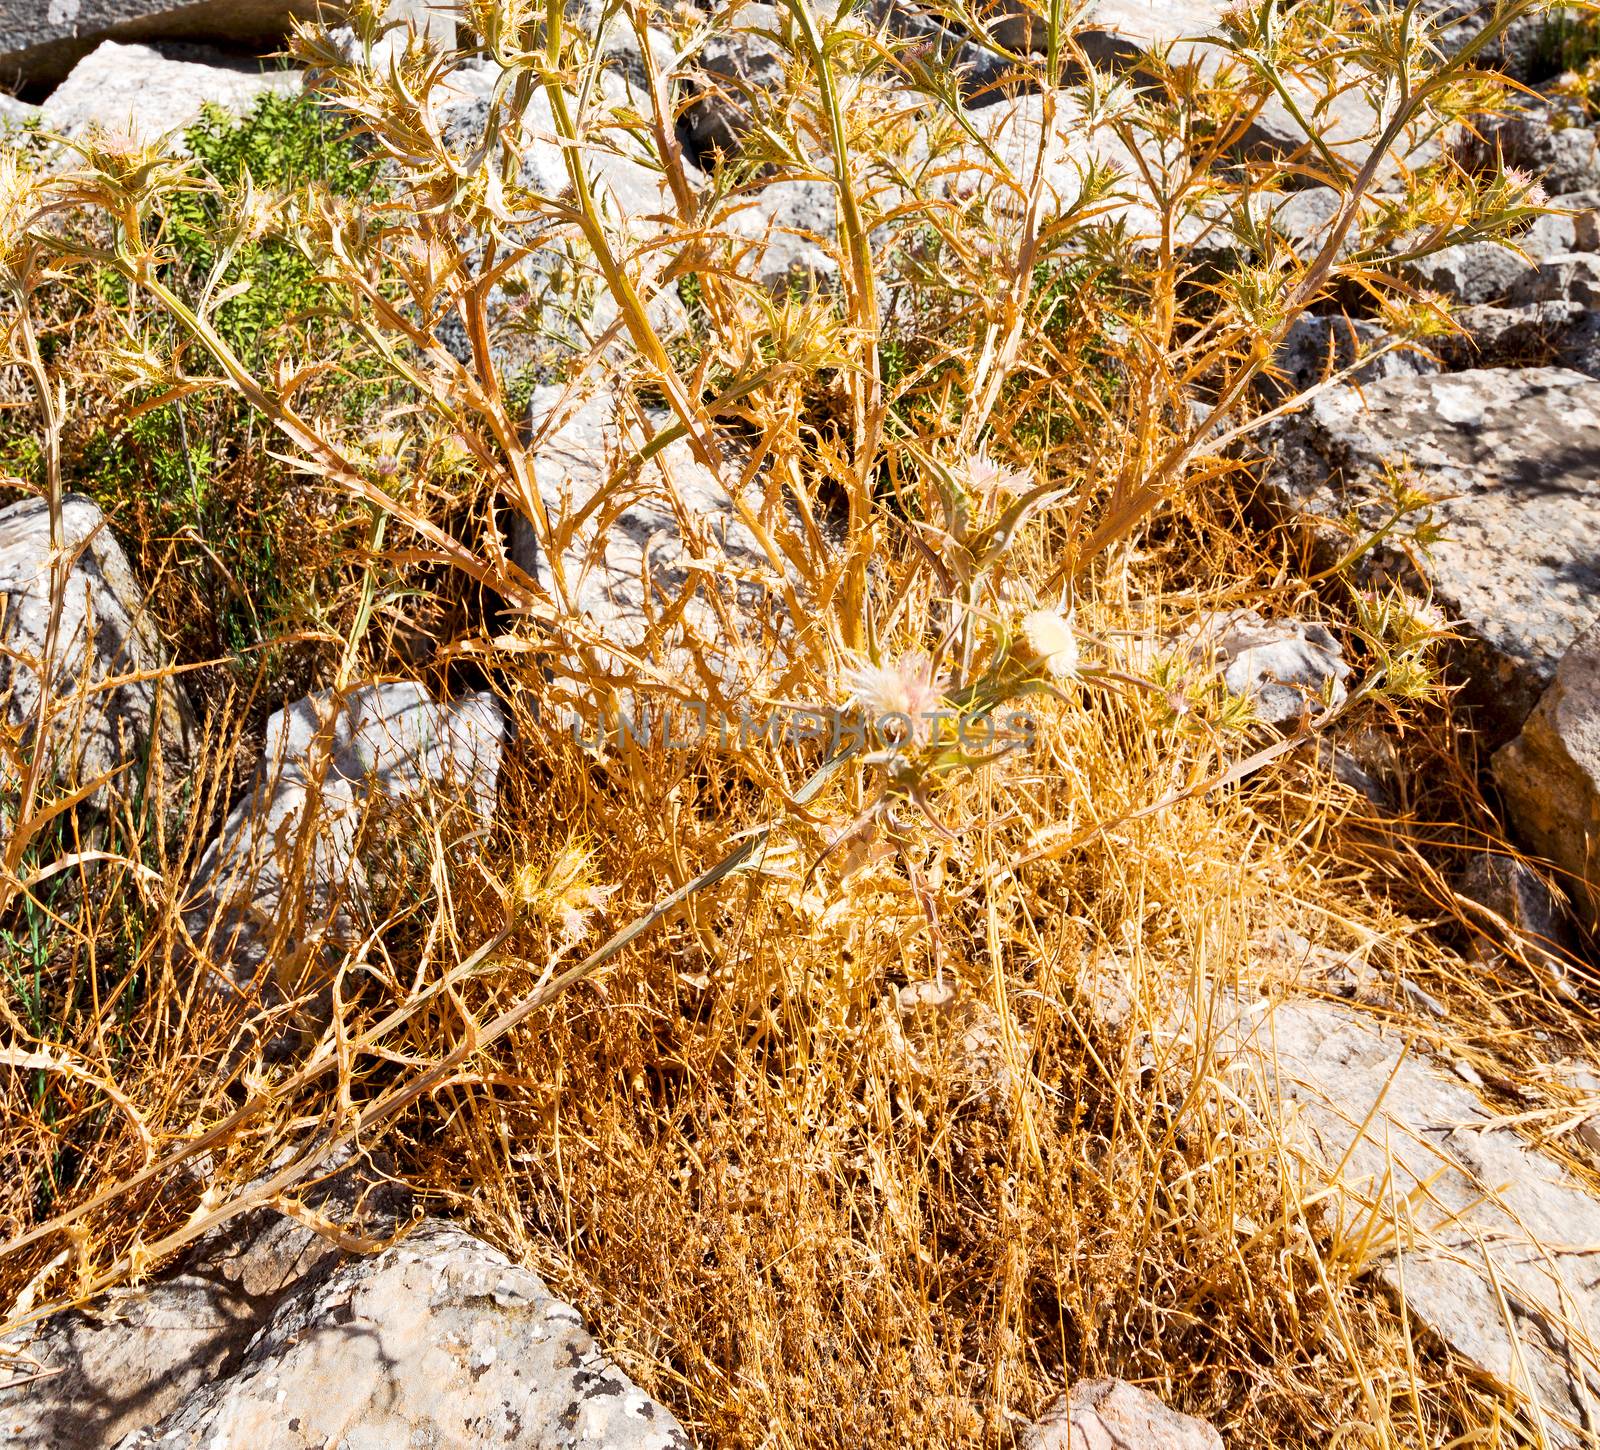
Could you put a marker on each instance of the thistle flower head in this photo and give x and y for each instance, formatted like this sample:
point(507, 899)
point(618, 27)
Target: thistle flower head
point(906, 686)
point(126, 166)
point(255, 212)
point(988, 480)
point(564, 893)
point(1050, 643)
point(387, 450)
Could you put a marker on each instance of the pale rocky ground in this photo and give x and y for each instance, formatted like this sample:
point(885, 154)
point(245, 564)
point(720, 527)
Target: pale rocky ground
point(265, 1336)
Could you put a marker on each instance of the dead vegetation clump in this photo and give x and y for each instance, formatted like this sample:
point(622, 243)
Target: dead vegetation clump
point(859, 1095)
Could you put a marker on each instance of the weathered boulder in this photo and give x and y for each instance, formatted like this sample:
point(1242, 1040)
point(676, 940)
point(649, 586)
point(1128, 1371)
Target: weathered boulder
point(103, 633)
point(268, 1336)
point(1548, 140)
point(1120, 34)
point(282, 890)
point(1509, 901)
point(1472, 272)
point(40, 43)
point(737, 64)
point(1564, 277)
point(15, 113)
point(1514, 455)
point(136, 91)
point(1318, 346)
point(1285, 667)
point(1522, 50)
point(1483, 272)
point(1109, 1414)
point(1485, 1239)
point(671, 559)
point(1550, 774)
point(1302, 218)
point(791, 227)
point(137, 1355)
point(1571, 225)
point(439, 1340)
point(1493, 336)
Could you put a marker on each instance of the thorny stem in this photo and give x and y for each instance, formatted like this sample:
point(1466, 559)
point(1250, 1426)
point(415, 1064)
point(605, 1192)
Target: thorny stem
point(60, 570)
point(867, 383)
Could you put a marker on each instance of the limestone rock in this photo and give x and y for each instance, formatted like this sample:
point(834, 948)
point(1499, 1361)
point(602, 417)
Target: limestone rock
point(1522, 49)
point(1571, 225)
point(1547, 140)
point(1316, 346)
point(1513, 453)
point(1120, 33)
point(1509, 899)
point(1551, 772)
point(1285, 667)
point(1108, 1414)
point(15, 113)
point(1530, 334)
point(439, 1340)
point(283, 886)
point(791, 226)
point(1472, 272)
point(41, 42)
point(1302, 218)
point(1578, 344)
point(675, 532)
point(267, 1336)
point(1564, 277)
point(1491, 1251)
point(1014, 128)
point(134, 89)
point(138, 1355)
point(103, 633)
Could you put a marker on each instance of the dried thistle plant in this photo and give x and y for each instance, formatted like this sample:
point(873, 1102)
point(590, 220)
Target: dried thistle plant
point(971, 462)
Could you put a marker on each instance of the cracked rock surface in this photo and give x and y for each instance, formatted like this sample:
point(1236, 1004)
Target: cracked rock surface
point(1513, 457)
point(268, 1337)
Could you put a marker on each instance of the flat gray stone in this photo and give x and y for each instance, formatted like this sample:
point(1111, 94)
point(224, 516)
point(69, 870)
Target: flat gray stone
point(87, 1377)
point(41, 40)
point(136, 91)
point(1488, 1242)
point(267, 1336)
point(14, 113)
point(438, 1341)
point(1515, 454)
point(791, 225)
point(1571, 225)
